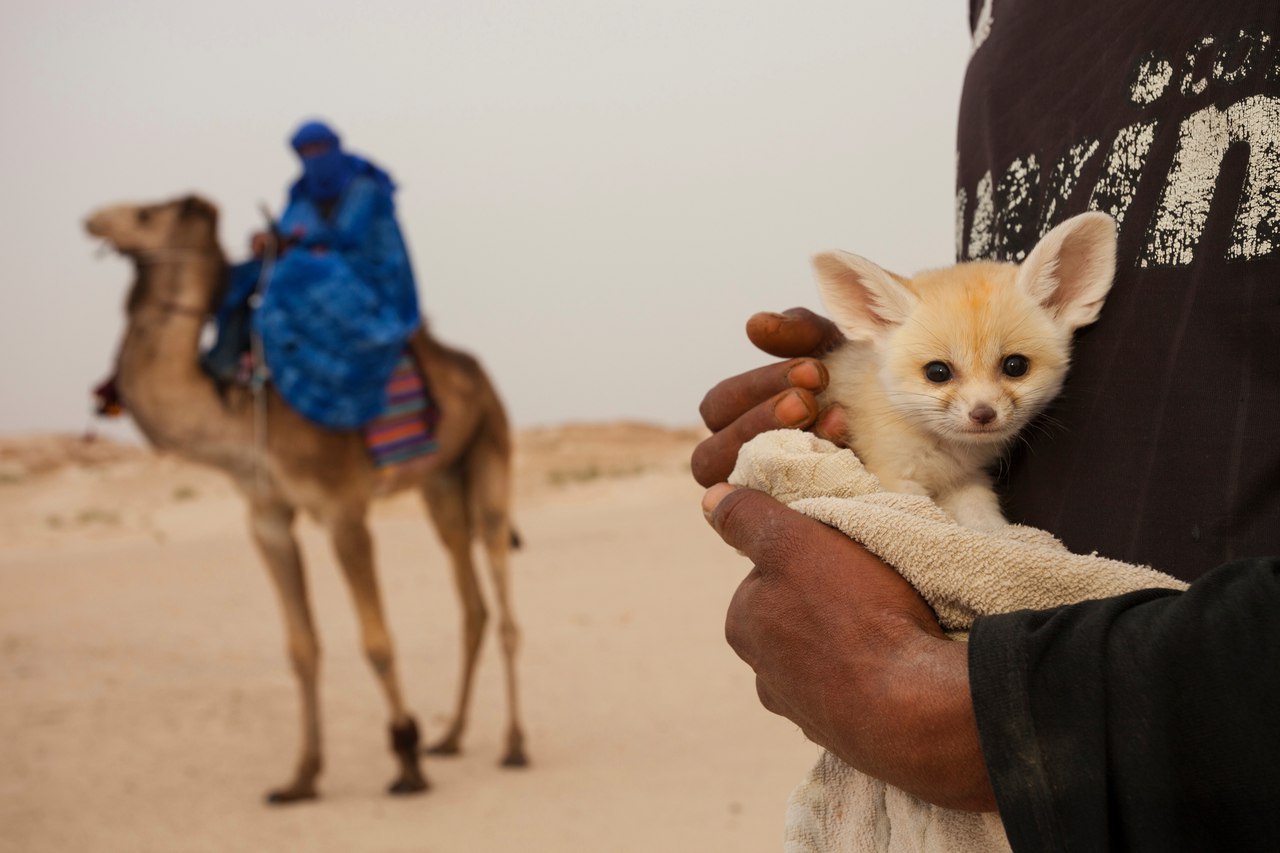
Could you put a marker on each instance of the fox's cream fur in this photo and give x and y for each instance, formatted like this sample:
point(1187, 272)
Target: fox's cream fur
point(941, 371)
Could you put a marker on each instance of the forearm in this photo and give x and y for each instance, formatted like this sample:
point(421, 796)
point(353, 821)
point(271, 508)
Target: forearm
point(1143, 722)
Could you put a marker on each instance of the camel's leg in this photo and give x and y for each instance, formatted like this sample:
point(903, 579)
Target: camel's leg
point(446, 499)
point(490, 477)
point(354, 548)
point(272, 528)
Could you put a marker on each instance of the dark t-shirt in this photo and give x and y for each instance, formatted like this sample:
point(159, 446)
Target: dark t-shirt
point(1150, 721)
point(1165, 446)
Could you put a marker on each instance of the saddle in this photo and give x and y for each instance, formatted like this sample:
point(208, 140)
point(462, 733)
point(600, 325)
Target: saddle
point(333, 340)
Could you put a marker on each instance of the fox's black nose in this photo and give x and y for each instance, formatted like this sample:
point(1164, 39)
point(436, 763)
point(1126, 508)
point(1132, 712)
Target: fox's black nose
point(982, 415)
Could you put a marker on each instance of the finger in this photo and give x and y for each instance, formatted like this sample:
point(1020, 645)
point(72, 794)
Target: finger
point(735, 396)
point(713, 459)
point(832, 424)
point(794, 332)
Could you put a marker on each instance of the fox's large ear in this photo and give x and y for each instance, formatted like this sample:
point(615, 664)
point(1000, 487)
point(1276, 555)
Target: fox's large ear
point(1069, 271)
point(864, 300)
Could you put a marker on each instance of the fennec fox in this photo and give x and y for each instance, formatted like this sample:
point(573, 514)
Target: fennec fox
point(941, 371)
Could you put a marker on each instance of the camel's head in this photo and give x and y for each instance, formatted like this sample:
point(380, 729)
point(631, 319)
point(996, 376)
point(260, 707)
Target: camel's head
point(140, 230)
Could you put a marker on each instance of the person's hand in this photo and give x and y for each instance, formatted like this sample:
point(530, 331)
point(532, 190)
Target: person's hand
point(261, 241)
point(258, 243)
point(777, 396)
point(845, 648)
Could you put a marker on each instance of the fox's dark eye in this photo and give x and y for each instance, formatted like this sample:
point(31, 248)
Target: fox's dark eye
point(1015, 365)
point(937, 371)
point(144, 215)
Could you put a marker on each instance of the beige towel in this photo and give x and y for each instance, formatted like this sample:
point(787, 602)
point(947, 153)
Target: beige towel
point(962, 574)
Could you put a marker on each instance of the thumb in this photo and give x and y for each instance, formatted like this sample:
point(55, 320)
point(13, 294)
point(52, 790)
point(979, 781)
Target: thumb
point(784, 543)
point(756, 524)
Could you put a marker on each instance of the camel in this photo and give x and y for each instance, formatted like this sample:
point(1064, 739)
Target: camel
point(293, 466)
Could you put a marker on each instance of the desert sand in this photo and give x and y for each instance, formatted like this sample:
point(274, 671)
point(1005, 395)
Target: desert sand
point(146, 703)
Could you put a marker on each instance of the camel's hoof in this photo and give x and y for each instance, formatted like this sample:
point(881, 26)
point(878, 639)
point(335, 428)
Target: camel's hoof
point(409, 784)
point(446, 747)
point(516, 758)
point(292, 794)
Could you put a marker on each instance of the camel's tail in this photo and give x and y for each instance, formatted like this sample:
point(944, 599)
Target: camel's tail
point(516, 542)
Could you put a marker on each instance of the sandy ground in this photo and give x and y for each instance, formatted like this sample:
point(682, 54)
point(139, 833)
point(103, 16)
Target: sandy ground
point(146, 702)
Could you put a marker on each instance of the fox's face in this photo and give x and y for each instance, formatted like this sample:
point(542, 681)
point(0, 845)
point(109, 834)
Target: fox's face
point(976, 358)
point(972, 353)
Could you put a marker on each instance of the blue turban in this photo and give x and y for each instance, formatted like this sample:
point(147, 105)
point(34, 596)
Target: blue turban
point(314, 131)
point(325, 174)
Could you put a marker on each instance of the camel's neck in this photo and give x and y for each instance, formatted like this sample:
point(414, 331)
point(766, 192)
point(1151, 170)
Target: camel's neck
point(174, 403)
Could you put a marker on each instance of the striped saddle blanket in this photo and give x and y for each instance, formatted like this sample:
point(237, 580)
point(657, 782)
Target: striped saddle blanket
point(406, 428)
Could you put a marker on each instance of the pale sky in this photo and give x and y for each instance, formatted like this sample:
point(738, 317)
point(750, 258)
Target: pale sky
point(596, 194)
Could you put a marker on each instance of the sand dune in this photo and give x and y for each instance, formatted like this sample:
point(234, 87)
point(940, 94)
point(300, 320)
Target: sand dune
point(147, 702)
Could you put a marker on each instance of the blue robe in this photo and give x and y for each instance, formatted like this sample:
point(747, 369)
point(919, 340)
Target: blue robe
point(340, 305)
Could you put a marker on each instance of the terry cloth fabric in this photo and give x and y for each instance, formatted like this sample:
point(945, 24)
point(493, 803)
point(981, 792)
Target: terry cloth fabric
point(962, 574)
point(407, 426)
